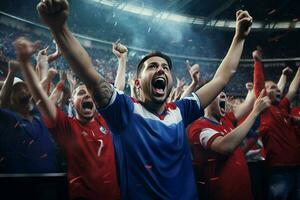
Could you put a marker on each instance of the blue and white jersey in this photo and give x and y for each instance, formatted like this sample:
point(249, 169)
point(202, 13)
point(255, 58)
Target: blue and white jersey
point(152, 152)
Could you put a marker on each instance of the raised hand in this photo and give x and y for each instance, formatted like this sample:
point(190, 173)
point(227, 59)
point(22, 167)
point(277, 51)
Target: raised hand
point(54, 56)
point(25, 48)
point(287, 71)
point(195, 73)
point(243, 24)
point(54, 12)
point(257, 54)
point(262, 102)
point(42, 55)
point(119, 50)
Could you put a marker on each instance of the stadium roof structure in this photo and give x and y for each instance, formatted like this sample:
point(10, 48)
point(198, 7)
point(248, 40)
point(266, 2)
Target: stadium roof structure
point(270, 14)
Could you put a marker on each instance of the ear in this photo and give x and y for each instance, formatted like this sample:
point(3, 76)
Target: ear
point(137, 83)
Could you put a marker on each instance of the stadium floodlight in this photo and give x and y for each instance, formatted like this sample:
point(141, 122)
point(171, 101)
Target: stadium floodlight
point(257, 25)
point(105, 2)
point(137, 10)
point(283, 25)
point(180, 18)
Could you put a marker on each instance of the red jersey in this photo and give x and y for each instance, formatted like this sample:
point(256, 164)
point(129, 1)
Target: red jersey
point(295, 112)
point(90, 157)
point(218, 176)
point(253, 147)
point(278, 134)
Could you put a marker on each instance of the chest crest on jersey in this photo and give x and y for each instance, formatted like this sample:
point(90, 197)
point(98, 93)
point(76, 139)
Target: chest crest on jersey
point(102, 130)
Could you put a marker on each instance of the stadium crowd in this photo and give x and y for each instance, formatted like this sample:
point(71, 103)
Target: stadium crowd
point(127, 132)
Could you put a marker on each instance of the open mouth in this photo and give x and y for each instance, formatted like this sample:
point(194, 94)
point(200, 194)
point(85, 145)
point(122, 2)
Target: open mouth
point(278, 96)
point(159, 85)
point(222, 105)
point(87, 105)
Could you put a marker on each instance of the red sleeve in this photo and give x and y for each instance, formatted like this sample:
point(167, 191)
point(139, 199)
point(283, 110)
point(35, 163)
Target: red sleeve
point(60, 128)
point(259, 79)
point(193, 131)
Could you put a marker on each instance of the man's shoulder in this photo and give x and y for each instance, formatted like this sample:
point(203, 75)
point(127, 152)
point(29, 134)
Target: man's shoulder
point(198, 125)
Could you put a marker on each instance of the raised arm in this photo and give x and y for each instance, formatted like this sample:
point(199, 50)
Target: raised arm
point(131, 83)
point(294, 86)
point(42, 65)
point(245, 107)
point(120, 52)
point(259, 78)
point(230, 63)
point(13, 67)
point(58, 90)
point(46, 82)
point(54, 14)
point(194, 72)
point(228, 143)
point(24, 53)
point(283, 78)
point(54, 56)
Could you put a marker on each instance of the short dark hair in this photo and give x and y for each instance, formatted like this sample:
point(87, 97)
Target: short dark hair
point(153, 54)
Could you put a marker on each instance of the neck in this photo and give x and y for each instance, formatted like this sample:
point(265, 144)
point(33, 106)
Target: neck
point(212, 117)
point(154, 107)
point(84, 120)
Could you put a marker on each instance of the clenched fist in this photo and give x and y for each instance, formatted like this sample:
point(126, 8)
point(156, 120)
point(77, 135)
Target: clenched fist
point(243, 24)
point(257, 55)
point(119, 50)
point(54, 13)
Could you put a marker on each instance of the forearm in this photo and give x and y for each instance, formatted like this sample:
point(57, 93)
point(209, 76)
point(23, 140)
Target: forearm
point(282, 82)
point(46, 107)
point(45, 83)
point(228, 143)
point(191, 88)
point(42, 67)
point(53, 57)
point(230, 62)
point(56, 93)
point(6, 89)
point(120, 78)
point(294, 86)
point(81, 63)
point(209, 91)
point(246, 106)
point(76, 56)
point(258, 79)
